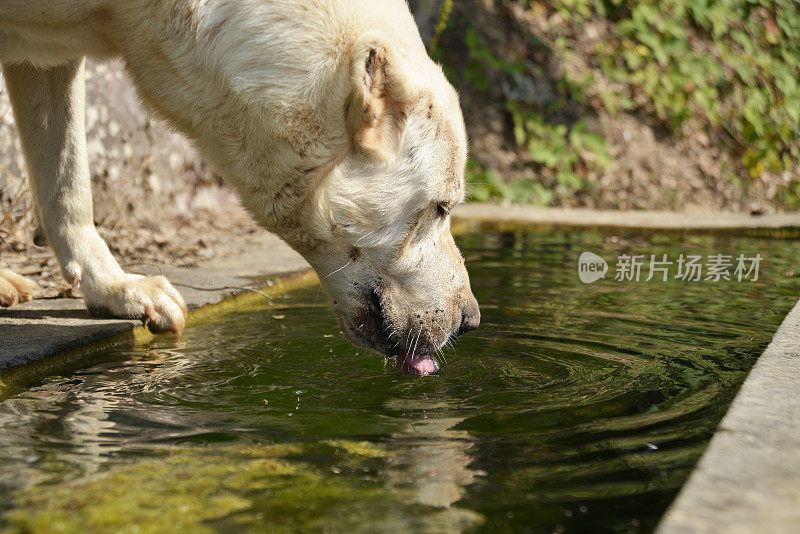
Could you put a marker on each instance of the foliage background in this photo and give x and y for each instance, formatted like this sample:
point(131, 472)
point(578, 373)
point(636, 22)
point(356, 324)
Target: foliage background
point(675, 104)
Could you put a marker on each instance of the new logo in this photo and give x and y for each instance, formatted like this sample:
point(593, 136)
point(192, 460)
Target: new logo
point(591, 267)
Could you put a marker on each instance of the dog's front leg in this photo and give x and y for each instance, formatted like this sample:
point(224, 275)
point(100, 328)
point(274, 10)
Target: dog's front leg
point(49, 110)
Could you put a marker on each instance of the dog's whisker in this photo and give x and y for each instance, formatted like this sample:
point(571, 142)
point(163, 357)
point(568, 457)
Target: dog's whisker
point(337, 270)
point(363, 236)
point(319, 288)
point(416, 341)
point(443, 330)
point(408, 340)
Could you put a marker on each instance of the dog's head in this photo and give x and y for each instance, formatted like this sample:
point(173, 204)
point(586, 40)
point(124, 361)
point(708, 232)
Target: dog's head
point(344, 138)
point(381, 219)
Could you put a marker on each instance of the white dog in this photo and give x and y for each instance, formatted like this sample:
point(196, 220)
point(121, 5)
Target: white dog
point(327, 116)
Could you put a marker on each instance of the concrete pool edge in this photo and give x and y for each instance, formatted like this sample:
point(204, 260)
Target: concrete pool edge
point(78, 353)
point(46, 335)
point(776, 224)
point(748, 479)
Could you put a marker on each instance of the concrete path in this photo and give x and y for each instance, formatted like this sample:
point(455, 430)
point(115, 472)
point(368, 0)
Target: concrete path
point(38, 329)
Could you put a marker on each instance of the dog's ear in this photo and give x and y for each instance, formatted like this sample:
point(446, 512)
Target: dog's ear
point(382, 92)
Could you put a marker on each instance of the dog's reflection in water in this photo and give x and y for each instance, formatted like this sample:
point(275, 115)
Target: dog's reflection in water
point(95, 411)
point(430, 456)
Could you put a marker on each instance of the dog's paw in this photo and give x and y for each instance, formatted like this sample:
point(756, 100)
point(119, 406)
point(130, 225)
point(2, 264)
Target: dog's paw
point(15, 289)
point(153, 300)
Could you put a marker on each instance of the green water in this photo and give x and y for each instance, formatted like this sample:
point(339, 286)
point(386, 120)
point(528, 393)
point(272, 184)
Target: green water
point(572, 408)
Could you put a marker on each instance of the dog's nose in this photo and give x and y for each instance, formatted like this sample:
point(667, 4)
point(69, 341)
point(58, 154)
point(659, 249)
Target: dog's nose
point(468, 323)
point(470, 317)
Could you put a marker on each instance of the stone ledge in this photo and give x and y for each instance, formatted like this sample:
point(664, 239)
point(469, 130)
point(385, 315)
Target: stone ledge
point(44, 327)
point(650, 220)
point(748, 480)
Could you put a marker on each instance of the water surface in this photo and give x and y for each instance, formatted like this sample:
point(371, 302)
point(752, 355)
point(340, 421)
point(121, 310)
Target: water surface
point(574, 407)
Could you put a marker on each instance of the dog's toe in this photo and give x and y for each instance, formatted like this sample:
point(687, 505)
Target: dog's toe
point(167, 311)
point(153, 300)
point(15, 289)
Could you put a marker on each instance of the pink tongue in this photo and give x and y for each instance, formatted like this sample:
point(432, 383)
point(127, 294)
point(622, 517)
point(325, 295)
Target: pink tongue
point(423, 364)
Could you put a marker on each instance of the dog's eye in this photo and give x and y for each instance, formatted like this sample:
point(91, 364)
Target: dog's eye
point(442, 209)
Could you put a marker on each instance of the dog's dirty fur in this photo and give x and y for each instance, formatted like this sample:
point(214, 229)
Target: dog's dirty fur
point(327, 116)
